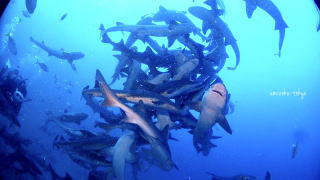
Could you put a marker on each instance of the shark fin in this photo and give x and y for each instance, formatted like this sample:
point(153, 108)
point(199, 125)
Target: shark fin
point(215, 137)
point(250, 8)
point(222, 121)
point(109, 98)
point(171, 40)
point(172, 138)
point(74, 68)
point(119, 23)
point(211, 145)
point(162, 9)
point(280, 24)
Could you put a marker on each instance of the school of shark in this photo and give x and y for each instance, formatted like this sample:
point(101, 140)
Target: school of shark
point(153, 102)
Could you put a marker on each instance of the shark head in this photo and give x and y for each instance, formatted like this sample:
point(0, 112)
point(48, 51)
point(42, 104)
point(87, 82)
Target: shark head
point(200, 12)
point(216, 96)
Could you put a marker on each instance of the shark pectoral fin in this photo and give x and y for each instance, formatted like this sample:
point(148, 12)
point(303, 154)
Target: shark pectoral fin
point(175, 166)
point(215, 137)
point(171, 40)
point(211, 145)
point(74, 68)
point(172, 138)
point(222, 121)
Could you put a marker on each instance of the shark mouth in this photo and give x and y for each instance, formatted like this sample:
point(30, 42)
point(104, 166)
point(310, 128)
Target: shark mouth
point(218, 92)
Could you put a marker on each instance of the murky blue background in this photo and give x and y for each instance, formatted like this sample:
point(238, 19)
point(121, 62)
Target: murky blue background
point(265, 125)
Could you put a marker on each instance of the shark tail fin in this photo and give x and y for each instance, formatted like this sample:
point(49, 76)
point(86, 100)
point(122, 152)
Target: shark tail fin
point(268, 176)
point(109, 98)
point(223, 122)
point(281, 24)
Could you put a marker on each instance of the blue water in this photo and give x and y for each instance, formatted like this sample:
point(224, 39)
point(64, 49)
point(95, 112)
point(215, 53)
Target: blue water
point(265, 124)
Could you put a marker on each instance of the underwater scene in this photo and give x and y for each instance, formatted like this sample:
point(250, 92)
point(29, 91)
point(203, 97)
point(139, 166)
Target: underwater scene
point(159, 89)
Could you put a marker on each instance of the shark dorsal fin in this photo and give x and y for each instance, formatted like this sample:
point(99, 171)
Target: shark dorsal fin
point(119, 23)
point(162, 9)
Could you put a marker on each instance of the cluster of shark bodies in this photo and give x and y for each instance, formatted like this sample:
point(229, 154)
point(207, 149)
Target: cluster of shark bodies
point(177, 84)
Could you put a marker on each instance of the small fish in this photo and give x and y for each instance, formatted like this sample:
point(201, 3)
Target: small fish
point(63, 16)
point(43, 66)
point(294, 150)
point(31, 5)
point(12, 45)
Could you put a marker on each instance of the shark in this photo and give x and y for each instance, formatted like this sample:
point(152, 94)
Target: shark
point(269, 7)
point(168, 16)
point(214, 22)
point(212, 111)
point(240, 177)
point(150, 133)
point(171, 31)
point(61, 54)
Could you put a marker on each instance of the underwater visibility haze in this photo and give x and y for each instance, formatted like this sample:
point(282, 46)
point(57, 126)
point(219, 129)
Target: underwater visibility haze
point(158, 89)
